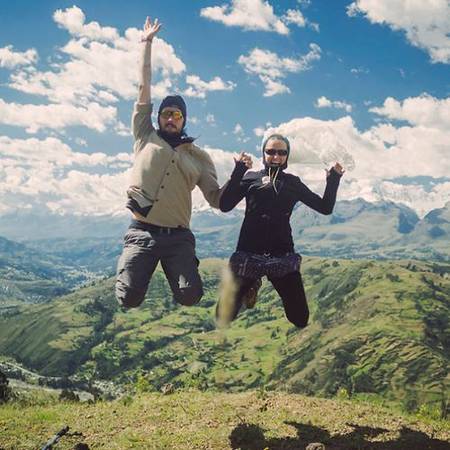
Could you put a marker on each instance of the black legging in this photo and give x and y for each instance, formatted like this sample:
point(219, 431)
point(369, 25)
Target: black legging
point(289, 288)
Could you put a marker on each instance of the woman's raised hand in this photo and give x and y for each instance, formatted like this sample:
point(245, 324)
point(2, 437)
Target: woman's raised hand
point(150, 29)
point(246, 159)
point(337, 168)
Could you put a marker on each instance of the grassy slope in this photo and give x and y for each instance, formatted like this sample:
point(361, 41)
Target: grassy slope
point(193, 420)
point(387, 331)
point(377, 327)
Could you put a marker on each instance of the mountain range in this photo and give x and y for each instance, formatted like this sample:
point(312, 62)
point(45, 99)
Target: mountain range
point(58, 253)
point(356, 228)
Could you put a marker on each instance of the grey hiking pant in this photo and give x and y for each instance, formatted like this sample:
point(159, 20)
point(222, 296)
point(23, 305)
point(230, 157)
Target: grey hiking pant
point(144, 246)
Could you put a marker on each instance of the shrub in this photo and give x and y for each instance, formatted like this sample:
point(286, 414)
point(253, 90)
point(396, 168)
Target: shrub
point(342, 394)
point(69, 396)
point(5, 390)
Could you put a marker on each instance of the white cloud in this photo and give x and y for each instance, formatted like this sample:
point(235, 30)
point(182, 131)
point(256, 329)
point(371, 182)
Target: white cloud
point(81, 142)
point(99, 71)
point(259, 131)
point(358, 70)
point(198, 88)
point(211, 119)
point(56, 116)
point(101, 65)
point(270, 68)
point(239, 132)
point(380, 155)
point(48, 174)
point(73, 20)
point(324, 102)
point(425, 22)
point(424, 110)
point(96, 68)
point(10, 59)
point(295, 16)
point(54, 153)
point(248, 14)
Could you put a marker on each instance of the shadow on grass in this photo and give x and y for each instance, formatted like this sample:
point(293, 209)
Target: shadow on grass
point(251, 437)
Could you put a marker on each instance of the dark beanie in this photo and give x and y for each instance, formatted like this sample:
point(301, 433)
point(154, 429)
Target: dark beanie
point(174, 101)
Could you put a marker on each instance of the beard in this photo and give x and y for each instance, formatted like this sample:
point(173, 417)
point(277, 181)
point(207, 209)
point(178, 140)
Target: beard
point(171, 129)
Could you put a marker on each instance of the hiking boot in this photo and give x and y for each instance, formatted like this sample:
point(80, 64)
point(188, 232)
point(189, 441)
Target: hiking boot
point(249, 299)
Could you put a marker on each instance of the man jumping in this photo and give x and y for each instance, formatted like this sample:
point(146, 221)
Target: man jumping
point(167, 167)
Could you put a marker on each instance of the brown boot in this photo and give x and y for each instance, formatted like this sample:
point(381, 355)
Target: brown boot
point(249, 299)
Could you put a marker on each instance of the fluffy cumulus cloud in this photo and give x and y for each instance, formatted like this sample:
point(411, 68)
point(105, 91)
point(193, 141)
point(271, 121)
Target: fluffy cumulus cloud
point(94, 70)
point(424, 110)
point(377, 158)
point(271, 68)
point(324, 102)
point(99, 65)
point(198, 88)
point(296, 17)
point(10, 58)
point(48, 174)
point(254, 15)
point(425, 22)
point(57, 116)
point(73, 20)
point(248, 14)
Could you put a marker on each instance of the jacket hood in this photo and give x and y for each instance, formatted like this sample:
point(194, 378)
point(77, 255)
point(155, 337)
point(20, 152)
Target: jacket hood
point(288, 146)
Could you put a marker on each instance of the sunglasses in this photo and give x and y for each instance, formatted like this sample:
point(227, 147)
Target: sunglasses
point(273, 152)
point(177, 115)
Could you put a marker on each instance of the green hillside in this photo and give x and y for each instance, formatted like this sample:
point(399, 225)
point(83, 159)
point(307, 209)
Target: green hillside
point(34, 276)
point(218, 421)
point(378, 329)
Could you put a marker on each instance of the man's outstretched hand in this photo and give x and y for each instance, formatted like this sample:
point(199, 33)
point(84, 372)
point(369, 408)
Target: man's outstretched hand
point(150, 29)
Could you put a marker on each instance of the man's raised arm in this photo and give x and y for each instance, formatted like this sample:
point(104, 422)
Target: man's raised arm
point(145, 75)
point(141, 124)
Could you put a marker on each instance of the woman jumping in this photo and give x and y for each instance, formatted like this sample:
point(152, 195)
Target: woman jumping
point(265, 246)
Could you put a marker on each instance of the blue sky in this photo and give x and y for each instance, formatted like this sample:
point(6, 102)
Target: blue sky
point(364, 81)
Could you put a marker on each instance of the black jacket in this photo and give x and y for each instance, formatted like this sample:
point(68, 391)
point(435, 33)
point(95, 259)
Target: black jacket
point(266, 227)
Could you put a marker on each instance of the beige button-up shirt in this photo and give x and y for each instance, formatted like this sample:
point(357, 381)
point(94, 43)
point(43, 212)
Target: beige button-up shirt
point(163, 177)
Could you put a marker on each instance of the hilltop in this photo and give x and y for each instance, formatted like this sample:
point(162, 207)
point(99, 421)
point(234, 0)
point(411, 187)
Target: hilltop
point(193, 420)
